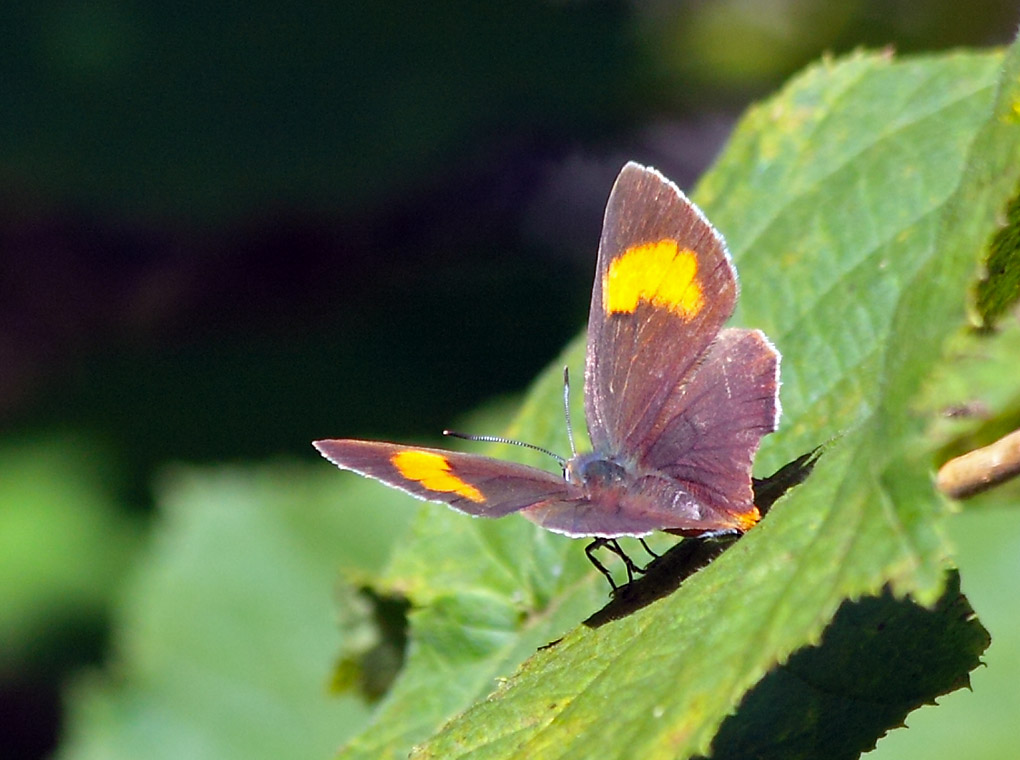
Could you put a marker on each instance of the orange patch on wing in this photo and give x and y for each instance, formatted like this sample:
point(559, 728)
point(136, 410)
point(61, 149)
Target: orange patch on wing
point(433, 471)
point(748, 520)
point(662, 274)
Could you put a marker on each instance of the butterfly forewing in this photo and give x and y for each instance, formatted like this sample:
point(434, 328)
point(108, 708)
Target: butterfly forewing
point(469, 483)
point(664, 286)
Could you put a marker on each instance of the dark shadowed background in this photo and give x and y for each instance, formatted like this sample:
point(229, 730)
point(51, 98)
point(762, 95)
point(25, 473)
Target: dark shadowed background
point(228, 229)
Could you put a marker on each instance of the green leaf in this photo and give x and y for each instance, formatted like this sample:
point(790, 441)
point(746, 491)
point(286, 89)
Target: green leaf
point(855, 202)
point(999, 288)
point(226, 639)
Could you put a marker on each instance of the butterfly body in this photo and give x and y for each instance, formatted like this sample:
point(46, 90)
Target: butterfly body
point(675, 404)
point(620, 498)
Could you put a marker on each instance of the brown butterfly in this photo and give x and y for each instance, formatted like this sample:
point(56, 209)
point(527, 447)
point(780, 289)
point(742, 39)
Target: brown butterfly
point(675, 404)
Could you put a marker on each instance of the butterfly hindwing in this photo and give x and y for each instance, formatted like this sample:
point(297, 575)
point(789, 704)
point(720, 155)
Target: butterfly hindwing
point(469, 483)
point(693, 475)
point(710, 427)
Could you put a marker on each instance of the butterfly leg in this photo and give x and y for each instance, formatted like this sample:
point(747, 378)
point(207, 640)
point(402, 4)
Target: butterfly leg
point(590, 550)
point(614, 546)
point(648, 549)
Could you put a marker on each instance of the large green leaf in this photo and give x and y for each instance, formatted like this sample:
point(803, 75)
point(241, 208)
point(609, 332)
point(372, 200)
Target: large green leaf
point(856, 203)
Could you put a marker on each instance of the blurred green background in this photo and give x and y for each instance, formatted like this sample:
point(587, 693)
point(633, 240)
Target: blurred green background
point(229, 229)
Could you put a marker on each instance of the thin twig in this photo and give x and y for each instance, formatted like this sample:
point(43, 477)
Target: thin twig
point(981, 469)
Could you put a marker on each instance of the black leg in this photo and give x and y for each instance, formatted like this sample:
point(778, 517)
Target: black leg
point(648, 549)
point(614, 546)
point(590, 550)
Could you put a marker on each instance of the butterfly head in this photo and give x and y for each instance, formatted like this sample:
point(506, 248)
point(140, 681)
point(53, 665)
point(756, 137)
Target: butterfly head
point(594, 469)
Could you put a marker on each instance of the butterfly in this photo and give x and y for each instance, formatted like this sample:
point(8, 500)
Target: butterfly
point(676, 405)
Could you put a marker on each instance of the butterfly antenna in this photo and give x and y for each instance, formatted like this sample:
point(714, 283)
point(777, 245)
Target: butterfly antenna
point(566, 409)
point(501, 439)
